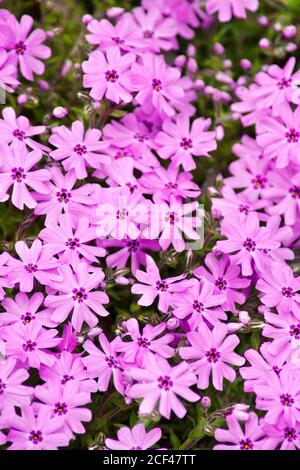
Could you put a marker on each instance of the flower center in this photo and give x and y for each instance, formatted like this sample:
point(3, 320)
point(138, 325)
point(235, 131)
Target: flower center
point(143, 342)
point(60, 409)
point(286, 399)
point(122, 214)
point(165, 382)
point(79, 295)
point(276, 369)
point(295, 192)
point(27, 318)
point(284, 83)
point(259, 182)
point(221, 283)
point(133, 245)
point(246, 444)
point(35, 437)
point(66, 378)
point(111, 76)
point(292, 136)
point(162, 286)
point(29, 346)
point(244, 208)
point(136, 448)
point(79, 149)
point(112, 362)
point(171, 185)
point(148, 34)
point(20, 47)
point(287, 292)
point(198, 306)
point(18, 174)
point(73, 243)
point(140, 137)
point(213, 355)
point(118, 40)
point(31, 268)
point(156, 84)
point(249, 244)
point(2, 387)
point(186, 143)
point(295, 331)
point(20, 135)
point(290, 434)
point(63, 195)
point(172, 218)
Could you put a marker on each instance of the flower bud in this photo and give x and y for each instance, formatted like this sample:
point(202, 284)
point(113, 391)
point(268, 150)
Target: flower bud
point(60, 112)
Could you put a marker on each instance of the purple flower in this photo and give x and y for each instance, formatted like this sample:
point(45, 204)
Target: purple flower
point(161, 383)
point(12, 392)
point(123, 35)
point(25, 310)
point(285, 332)
point(213, 352)
point(134, 439)
point(8, 80)
point(282, 436)
point(252, 438)
point(228, 8)
point(18, 131)
point(157, 33)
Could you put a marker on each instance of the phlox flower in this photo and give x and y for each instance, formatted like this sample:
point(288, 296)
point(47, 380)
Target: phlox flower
point(280, 288)
point(248, 241)
point(285, 332)
point(65, 403)
point(282, 436)
point(35, 262)
point(233, 204)
point(180, 141)
point(25, 310)
point(228, 8)
point(12, 392)
point(213, 351)
point(159, 383)
point(8, 80)
point(199, 302)
point(151, 285)
point(39, 431)
point(157, 84)
point(76, 294)
point(247, 106)
point(121, 173)
point(62, 197)
point(226, 279)
point(109, 75)
point(282, 234)
point(145, 343)
point(78, 149)
point(16, 171)
point(251, 438)
point(104, 364)
point(136, 438)
point(70, 240)
point(29, 344)
point(18, 131)
point(24, 47)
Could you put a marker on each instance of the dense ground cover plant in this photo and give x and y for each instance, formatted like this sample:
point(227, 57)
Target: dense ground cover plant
point(116, 331)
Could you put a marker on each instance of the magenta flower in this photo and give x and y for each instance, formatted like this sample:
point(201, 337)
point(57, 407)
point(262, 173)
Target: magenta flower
point(16, 171)
point(36, 263)
point(65, 403)
point(157, 84)
point(179, 141)
point(134, 439)
point(104, 364)
point(280, 288)
point(77, 295)
point(12, 392)
point(160, 383)
point(213, 352)
point(25, 310)
point(200, 303)
point(152, 286)
point(144, 344)
point(24, 48)
point(226, 278)
point(70, 240)
point(228, 8)
point(78, 149)
point(248, 241)
point(233, 204)
point(123, 35)
point(252, 438)
point(283, 436)
point(62, 196)
point(8, 80)
point(29, 344)
point(18, 130)
point(285, 332)
point(109, 75)
point(39, 431)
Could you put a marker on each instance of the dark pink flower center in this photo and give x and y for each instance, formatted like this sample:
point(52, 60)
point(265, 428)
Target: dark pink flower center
point(112, 362)
point(221, 283)
point(73, 243)
point(60, 409)
point(20, 135)
point(122, 214)
point(111, 76)
point(171, 185)
point(156, 84)
point(63, 195)
point(2, 387)
point(249, 244)
point(246, 444)
point(118, 40)
point(66, 378)
point(18, 174)
point(35, 437)
point(79, 295)
point(133, 245)
point(198, 306)
point(290, 434)
point(140, 137)
point(259, 182)
point(143, 342)
point(292, 136)
point(148, 34)
point(213, 355)
point(287, 292)
point(80, 149)
point(20, 47)
point(186, 143)
point(136, 448)
point(162, 286)
point(295, 192)
point(276, 369)
point(29, 346)
point(284, 83)
point(165, 382)
point(286, 399)
point(244, 208)
point(27, 318)
point(172, 218)
point(295, 331)
point(31, 268)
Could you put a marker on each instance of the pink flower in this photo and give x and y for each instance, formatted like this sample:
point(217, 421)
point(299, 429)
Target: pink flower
point(248, 241)
point(12, 392)
point(78, 149)
point(39, 431)
point(157, 33)
point(36, 263)
point(144, 344)
point(179, 141)
point(65, 403)
point(104, 364)
point(227, 8)
point(153, 286)
point(8, 81)
point(252, 438)
point(213, 352)
point(285, 332)
point(26, 49)
point(123, 35)
point(25, 310)
point(109, 75)
point(76, 295)
point(134, 439)
point(157, 84)
point(282, 436)
point(16, 171)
